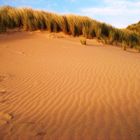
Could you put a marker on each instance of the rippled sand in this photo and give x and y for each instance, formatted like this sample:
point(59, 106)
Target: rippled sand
point(53, 88)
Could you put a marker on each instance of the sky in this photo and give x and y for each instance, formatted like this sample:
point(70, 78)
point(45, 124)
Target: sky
point(119, 13)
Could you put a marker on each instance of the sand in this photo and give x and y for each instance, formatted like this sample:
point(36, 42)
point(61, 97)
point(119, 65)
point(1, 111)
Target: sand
point(53, 88)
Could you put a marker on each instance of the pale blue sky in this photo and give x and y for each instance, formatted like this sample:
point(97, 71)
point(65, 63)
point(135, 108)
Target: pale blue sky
point(119, 13)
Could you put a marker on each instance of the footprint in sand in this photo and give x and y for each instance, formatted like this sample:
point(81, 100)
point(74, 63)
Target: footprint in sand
point(2, 77)
point(2, 91)
point(4, 100)
point(5, 118)
point(6, 76)
point(28, 129)
point(19, 52)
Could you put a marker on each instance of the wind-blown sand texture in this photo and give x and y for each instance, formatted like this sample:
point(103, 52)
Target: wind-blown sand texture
point(56, 89)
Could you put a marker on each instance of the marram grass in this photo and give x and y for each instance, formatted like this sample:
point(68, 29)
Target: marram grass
point(30, 20)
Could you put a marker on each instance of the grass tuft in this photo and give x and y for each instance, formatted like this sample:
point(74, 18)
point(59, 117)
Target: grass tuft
point(83, 41)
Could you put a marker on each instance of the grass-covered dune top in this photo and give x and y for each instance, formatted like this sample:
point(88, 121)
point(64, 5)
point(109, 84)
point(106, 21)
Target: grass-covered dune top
point(31, 20)
point(135, 27)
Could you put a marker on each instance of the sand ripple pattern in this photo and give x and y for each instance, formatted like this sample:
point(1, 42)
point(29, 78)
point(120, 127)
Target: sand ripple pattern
point(60, 90)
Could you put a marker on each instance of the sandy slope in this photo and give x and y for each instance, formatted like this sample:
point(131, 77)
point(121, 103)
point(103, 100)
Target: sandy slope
point(56, 89)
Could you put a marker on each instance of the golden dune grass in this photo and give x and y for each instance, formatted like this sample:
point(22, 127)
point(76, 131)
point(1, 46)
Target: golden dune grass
point(31, 20)
point(56, 89)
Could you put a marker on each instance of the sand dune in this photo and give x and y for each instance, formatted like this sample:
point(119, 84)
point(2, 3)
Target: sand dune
point(56, 89)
